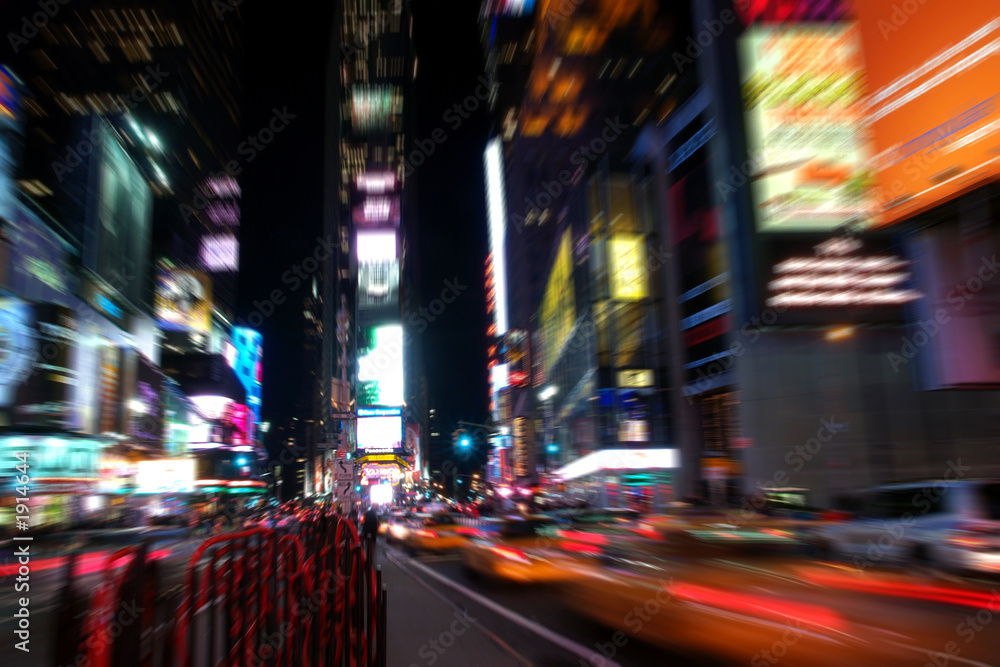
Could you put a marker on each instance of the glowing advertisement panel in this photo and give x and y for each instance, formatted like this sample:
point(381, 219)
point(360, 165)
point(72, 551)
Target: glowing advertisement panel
point(558, 313)
point(376, 434)
point(220, 252)
point(166, 476)
point(247, 354)
point(183, 300)
point(935, 101)
point(376, 247)
point(380, 366)
point(807, 135)
point(627, 257)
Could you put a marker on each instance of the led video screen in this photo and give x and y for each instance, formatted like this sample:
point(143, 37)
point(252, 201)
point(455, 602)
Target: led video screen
point(380, 433)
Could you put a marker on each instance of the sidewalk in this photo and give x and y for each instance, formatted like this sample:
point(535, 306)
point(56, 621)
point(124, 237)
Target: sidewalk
point(423, 629)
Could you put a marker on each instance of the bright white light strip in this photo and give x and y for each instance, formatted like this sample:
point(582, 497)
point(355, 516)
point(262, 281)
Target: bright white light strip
point(376, 246)
point(211, 407)
point(496, 199)
point(973, 137)
point(619, 459)
point(855, 263)
point(934, 62)
point(846, 298)
point(968, 62)
point(376, 182)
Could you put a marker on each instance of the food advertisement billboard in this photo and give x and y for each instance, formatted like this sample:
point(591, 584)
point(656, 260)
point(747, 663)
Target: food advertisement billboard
point(807, 138)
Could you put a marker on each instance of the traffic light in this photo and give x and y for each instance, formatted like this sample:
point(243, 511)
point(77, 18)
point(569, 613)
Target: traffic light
point(461, 438)
point(242, 461)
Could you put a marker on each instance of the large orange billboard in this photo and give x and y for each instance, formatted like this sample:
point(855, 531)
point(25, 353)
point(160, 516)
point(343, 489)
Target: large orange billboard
point(933, 77)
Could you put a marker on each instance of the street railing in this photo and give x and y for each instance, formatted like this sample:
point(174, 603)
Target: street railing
point(255, 597)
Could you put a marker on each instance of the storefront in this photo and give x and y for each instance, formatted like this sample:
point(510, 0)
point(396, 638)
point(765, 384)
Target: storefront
point(641, 479)
point(64, 483)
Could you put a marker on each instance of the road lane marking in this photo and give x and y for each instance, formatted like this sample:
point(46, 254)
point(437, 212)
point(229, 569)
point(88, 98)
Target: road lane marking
point(573, 647)
point(486, 631)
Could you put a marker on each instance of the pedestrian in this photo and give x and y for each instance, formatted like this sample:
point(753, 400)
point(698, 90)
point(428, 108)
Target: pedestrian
point(369, 530)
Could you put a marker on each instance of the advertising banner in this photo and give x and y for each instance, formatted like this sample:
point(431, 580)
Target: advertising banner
point(146, 421)
point(934, 103)
point(807, 136)
point(119, 217)
point(36, 344)
point(38, 259)
point(184, 300)
point(627, 258)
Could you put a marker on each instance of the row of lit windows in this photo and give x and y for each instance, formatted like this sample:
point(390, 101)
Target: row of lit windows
point(112, 103)
point(113, 27)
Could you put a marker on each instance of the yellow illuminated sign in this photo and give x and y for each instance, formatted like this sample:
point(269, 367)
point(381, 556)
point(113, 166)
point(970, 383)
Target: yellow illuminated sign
point(627, 255)
point(558, 304)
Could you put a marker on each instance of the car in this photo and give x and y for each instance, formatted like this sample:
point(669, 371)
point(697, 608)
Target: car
point(950, 525)
point(398, 526)
point(436, 533)
point(523, 549)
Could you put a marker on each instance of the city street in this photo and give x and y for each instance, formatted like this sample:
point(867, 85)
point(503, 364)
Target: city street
point(904, 619)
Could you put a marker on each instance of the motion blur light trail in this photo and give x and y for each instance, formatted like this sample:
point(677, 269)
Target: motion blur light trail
point(88, 563)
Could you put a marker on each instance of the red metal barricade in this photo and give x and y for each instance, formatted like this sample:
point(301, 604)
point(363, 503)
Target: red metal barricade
point(251, 598)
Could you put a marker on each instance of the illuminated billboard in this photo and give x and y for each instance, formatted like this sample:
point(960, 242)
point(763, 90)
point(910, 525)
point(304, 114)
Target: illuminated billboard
point(375, 247)
point(934, 100)
point(220, 252)
point(119, 216)
point(380, 433)
point(166, 476)
point(378, 284)
point(374, 105)
point(627, 259)
point(377, 210)
point(183, 300)
point(496, 199)
point(807, 135)
point(380, 366)
point(376, 182)
point(245, 361)
point(558, 313)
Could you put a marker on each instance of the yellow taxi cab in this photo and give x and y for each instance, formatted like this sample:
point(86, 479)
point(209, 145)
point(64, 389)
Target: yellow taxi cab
point(524, 549)
point(433, 532)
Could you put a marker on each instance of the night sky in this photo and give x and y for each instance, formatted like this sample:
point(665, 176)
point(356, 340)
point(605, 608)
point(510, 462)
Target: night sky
point(282, 195)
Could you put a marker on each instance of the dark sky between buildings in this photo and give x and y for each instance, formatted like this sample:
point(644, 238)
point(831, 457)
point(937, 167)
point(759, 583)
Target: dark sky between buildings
point(282, 196)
